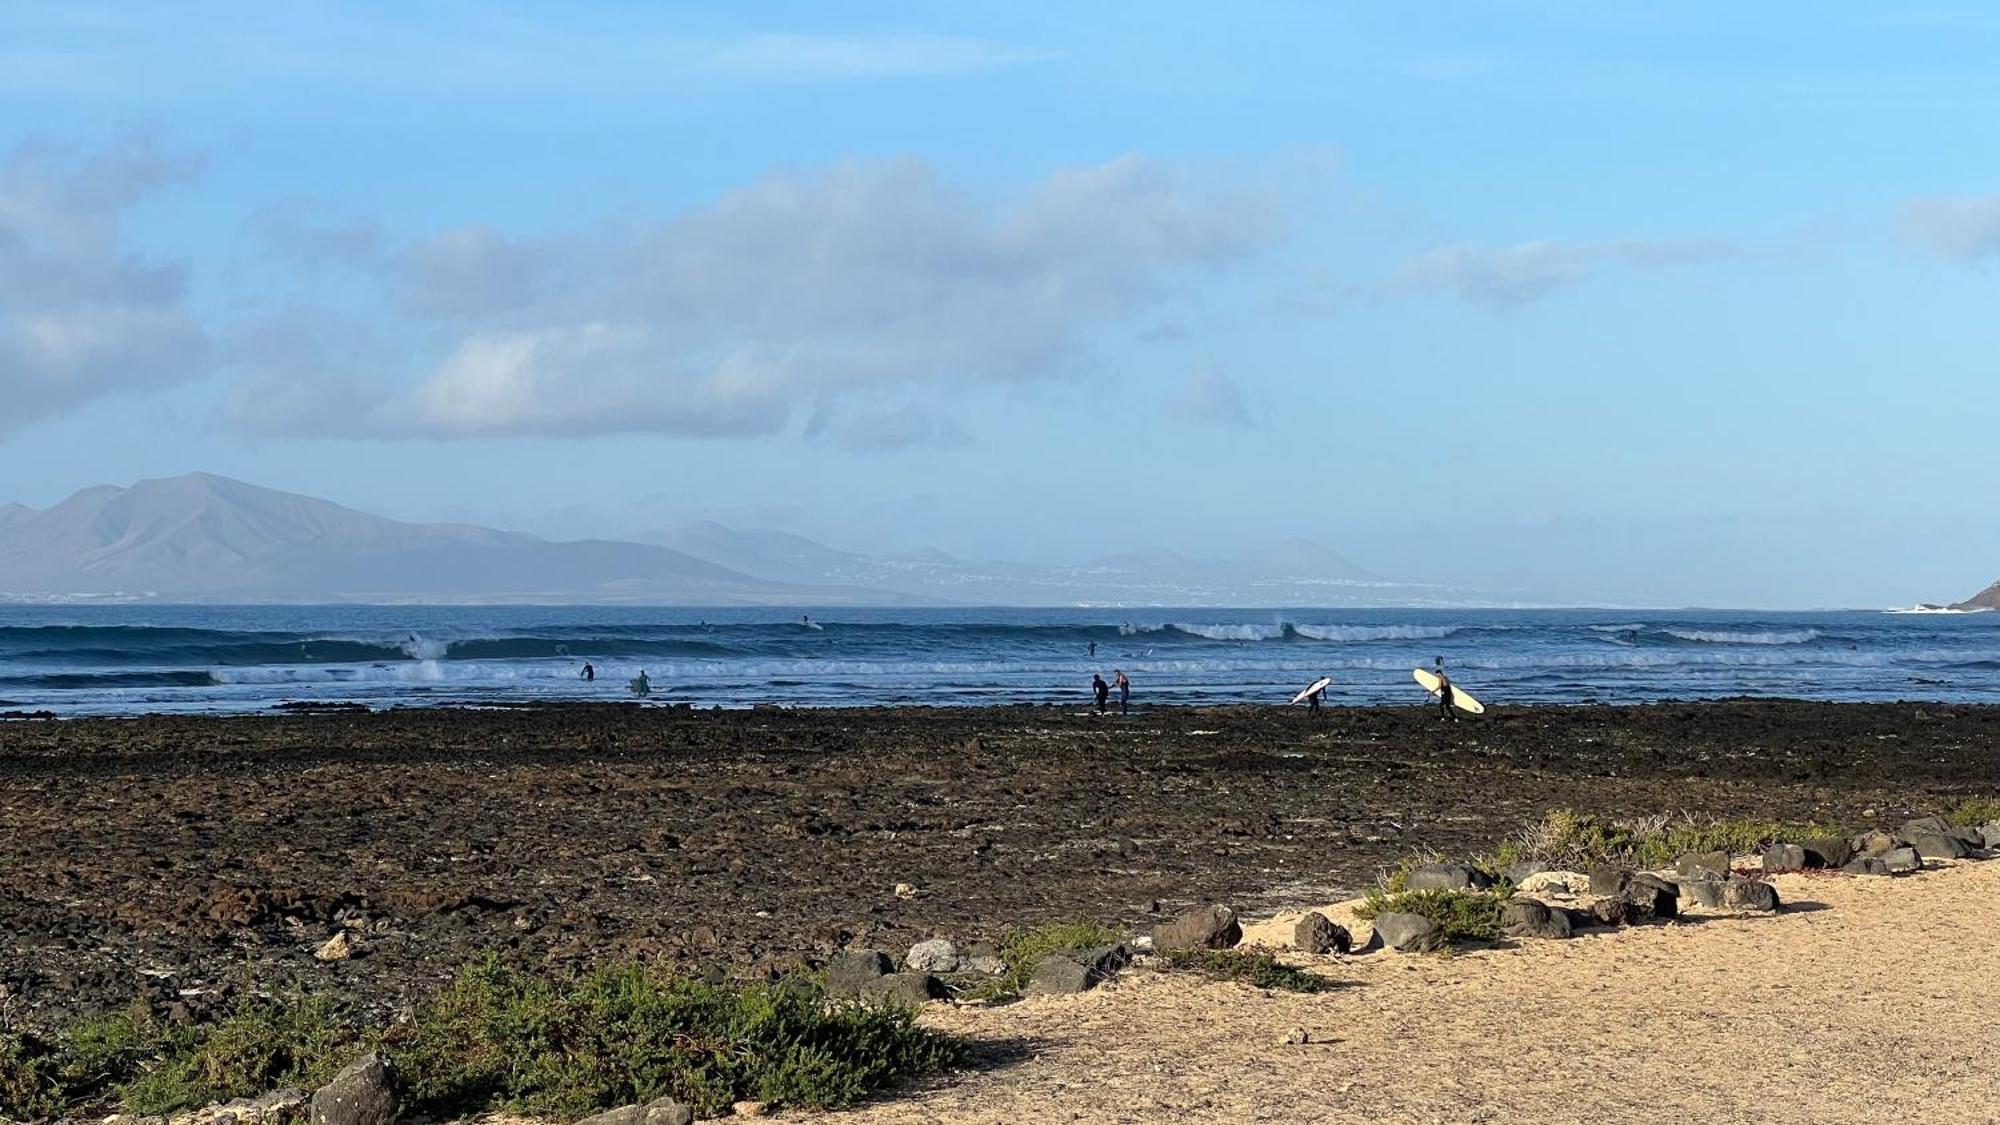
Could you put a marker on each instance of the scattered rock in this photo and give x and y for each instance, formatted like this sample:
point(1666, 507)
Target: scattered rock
point(849, 973)
point(362, 1094)
point(1867, 865)
point(906, 890)
point(1989, 834)
point(1408, 933)
point(934, 956)
point(1899, 860)
point(1752, 894)
point(1784, 857)
point(908, 990)
point(1315, 933)
point(755, 1109)
point(339, 947)
point(1518, 873)
point(1925, 826)
point(1875, 842)
point(1713, 864)
point(1650, 899)
point(1057, 975)
point(1525, 917)
point(1565, 884)
point(1205, 927)
point(1296, 1037)
point(1608, 880)
point(1828, 851)
point(1609, 910)
point(1447, 877)
point(665, 1111)
point(280, 1107)
point(1936, 845)
point(1702, 890)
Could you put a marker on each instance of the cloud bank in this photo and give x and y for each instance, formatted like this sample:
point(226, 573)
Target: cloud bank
point(1961, 228)
point(1506, 278)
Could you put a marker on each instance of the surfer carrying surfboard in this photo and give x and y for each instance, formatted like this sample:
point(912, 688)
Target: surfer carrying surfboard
point(1445, 709)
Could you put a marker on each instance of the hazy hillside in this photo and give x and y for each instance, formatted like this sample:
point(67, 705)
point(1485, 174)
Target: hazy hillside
point(1989, 598)
point(210, 538)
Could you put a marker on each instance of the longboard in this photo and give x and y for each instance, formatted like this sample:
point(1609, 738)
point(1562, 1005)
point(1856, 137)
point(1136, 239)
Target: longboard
point(1429, 681)
point(1318, 685)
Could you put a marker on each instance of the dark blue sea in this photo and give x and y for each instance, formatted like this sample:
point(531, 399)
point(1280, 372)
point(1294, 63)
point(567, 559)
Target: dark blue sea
point(96, 659)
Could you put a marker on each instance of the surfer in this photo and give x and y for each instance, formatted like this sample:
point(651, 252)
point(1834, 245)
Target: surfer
point(1100, 689)
point(1445, 709)
point(589, 673)
point(1124, 691)
point(1093, 650)
point(1313, 699)
point(641, 685)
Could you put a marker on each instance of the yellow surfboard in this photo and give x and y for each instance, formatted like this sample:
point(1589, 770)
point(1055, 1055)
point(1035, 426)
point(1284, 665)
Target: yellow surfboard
point(1429, 681)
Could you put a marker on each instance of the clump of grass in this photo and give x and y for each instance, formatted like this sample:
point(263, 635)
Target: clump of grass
point(1259, 969)
point(1461, 915)
point(1022, 950)
point(496, 1038)
point(1974, 812)
point(1565, 838)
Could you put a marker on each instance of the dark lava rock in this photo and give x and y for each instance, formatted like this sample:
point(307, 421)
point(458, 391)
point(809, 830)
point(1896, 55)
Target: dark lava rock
point(1925, 826)
point(1989, 834)
point(1517, 873)
point(1702, 890)
point(1867, 865)
point(1715, 864)
point(1609, 910)
point(1650, 899)
point(1315, 933)
point(1057, 975)
point(1408, 933)
point(1752, 894)
point(1608, 880)
point(908, 990)
point(1447, 877)
point(1903, 859)
point(1525, 917)
point(362, 1094)
point(849, 974)
point(1828, 851)
point(665, 1111)
point(1934, 845)
point(1784, 857)
point(1205, 927)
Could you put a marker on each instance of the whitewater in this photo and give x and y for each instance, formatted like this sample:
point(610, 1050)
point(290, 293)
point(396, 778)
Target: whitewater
point(75, 660)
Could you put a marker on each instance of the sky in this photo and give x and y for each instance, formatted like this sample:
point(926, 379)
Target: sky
point(1690, 304)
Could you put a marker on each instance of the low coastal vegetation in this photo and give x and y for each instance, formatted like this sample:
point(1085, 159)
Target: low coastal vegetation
point(1255, 968)
point(1462, 915)
point(1568, 840)
point(495, 1038)
point(1023, 950)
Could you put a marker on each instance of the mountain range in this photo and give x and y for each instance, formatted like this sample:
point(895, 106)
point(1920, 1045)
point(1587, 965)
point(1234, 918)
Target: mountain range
point(207, 538)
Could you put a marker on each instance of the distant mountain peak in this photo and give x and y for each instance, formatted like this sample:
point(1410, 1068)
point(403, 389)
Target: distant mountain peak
point(1989, 598)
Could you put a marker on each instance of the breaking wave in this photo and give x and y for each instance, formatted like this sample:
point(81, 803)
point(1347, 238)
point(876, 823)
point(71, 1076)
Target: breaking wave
point(1726, 637)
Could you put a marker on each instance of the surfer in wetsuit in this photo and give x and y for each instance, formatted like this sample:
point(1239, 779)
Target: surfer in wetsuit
point(641, 685)
point(589, 673)
point(1445, 709)
point(1093, 650)
point(1313, 702)
point(1100, 689)
point(1124, 691)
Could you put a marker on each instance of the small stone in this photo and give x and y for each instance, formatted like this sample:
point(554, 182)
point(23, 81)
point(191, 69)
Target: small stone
point(1752, 894)
point(985, 964)
point(1609, 910)
point(749, 1109)
point(664, 1111)
point(339, 947)
point(1875, 842)
point(1867, 865)
point(1205, 927)
point(364, 1093)
point(1715, 864)
point(1446, 877)
point(1296, 1037)
point(934, 956)
point(1408, 933)
point(1525, 917)
point(1903, 859)
point(906, 890)
point(1315, 933)
point(1608, 880)
point(1057, 975)
point(847, 974)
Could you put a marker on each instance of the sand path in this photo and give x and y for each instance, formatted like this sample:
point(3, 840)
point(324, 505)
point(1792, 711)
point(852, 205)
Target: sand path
point(1867, 1000)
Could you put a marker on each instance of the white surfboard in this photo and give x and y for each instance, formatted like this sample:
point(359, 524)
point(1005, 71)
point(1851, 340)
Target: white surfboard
point(1429, 681)
point(1318, 686)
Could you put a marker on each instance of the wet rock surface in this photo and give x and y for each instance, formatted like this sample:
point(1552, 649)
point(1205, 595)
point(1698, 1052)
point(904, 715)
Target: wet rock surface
point(170, 859)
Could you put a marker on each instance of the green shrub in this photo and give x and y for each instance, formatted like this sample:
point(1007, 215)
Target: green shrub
point(1974, 812)
point(1567, 839)
point(264, 1045)
point(1022, 950)
point(501, 1038)
point(1462, 915)
point(1259, 969)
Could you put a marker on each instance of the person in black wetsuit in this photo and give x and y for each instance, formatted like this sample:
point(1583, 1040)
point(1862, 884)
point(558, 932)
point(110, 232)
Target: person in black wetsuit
point(1100, 689)
point(589, 672)
point(1445, 709)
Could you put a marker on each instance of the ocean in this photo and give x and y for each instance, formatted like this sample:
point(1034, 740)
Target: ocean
point(122, 659)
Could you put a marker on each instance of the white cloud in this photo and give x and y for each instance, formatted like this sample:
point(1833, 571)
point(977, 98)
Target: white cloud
point(1505, 278)
point(802, 288)
point(1964, 228)
point(81, 315)
point(1207, 397)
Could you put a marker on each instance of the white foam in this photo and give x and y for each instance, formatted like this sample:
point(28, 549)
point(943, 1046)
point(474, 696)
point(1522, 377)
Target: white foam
point(1727, 637)
point(1350, 633)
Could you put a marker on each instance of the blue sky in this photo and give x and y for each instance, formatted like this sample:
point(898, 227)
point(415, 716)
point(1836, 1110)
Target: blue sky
point(1681, 306)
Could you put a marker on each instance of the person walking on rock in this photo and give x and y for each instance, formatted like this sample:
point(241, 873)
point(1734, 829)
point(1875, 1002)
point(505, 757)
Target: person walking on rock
point(1100, 689)
point(1124, 687)
point(1445, 709)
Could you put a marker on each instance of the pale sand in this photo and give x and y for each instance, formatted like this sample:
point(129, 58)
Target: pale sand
point(1868, 999)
